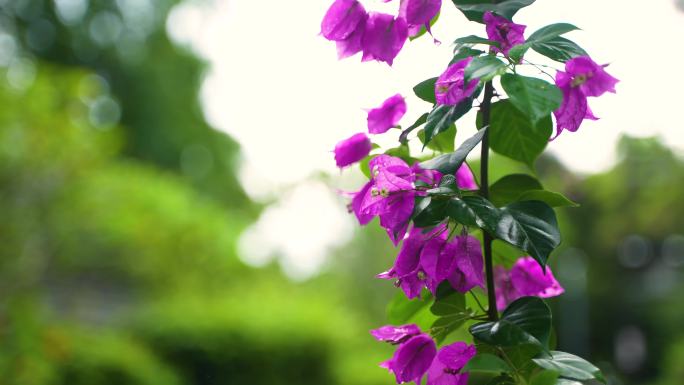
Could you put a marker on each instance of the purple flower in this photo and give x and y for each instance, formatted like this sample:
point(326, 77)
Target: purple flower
point(412, 359)
point(446, 367)
point(342, 19)
point(427, 258)
point(386, 116)
point(467, 269)
point(419, 13)
point(503, 31)
point(582, 78)
point(526, 278)
point(395, 334)
point(352, 150)
point(389, 195)
point(384, 37)
point(450, 88)
point(465, 180)
point(352, 44)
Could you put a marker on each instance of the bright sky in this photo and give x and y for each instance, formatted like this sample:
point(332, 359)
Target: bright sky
point(277, 87)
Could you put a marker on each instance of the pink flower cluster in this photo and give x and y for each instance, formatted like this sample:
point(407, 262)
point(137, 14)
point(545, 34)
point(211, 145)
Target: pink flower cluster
point(417, 355)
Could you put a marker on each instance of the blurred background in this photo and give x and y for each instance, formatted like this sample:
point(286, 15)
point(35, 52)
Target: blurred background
point(169, 210)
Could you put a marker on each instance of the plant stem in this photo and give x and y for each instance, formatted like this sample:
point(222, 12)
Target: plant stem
point(486, 109)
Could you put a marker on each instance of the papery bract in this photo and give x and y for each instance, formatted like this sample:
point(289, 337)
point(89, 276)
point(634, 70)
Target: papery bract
point(352, 150)
point(389, 195)
point(384, 37)
point(386, 116)
point(450, 88)
point(467, 270)
point(342, 19)
point(526, 278)
point(419, 13)
point(446, 367)
point(412, 359)
point(465, 180)
point(582, 78)
point(503, 31)
point(352, 44)
point(395, 334)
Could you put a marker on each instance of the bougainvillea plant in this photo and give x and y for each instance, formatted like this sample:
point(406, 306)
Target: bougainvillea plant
point(452, 228)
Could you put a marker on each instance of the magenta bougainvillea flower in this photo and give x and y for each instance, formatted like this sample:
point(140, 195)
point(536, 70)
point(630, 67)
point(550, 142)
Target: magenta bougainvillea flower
point(412, 359)
point(450, 88)
point(390, 195)
point(465, 178)
point(503, 31)
point(419, 13)
point(526, 278)
point(395, 334)
point(383, 37)
point(386, 116)
point(446, 368)
point(352, 149)
point(427, 258)
point(342, 19)
point(582, 78)
point(352, 44)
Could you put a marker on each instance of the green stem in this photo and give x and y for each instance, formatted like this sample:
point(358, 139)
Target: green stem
point(486, 109)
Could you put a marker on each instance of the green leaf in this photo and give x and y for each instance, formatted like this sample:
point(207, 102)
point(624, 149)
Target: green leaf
point(449, 163)
point(423, 30)
point(429, 212)
point(552, 199)
point(565, 381)
point(403, 138)
point(467, 210)
point(502, 380)
point(442, 117)
point(527, 321)
point(532, 315)
point(550, 32)
point(484, 68)
point(465, 52)
point(513, 135)
point(443, 142)
point(534, 97)
point(364, 166)
point(473, 39)
point(545, 377)
point(530, 226)
point(426, 90)
point(523, 187)
point(569, 366)
point(444, 326)
point(453, 303)
point(559, 49)
point(401, 309)
point(487, 363)
point(510, 187)
point(540, 37)
point(474, 9)
point(402, 152)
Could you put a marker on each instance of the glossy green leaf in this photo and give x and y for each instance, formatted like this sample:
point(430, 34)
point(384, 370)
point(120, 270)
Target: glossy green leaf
point(464, 52)
point(474, 9)
point(550, 32)
point(569, 366)
point(484, 68)
point(403, 138)
point(403, 152)
point(552, 199)
point(536, 98)
point(502, 380)
point(530, 226)
point(559, 49)
point(443, 142)
point(450, 163)
point(545, 377)
point(473, 39)
point(425, 90)
point(513, 135)
point(507, 189)
point(532, 315)
point(444, 326)
point(443, 117)
point(401, 309)
point(527, 321)
point(487, 363)
point(466, 210)
point(429, 212)
point(451, 304)
point(565, 381)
